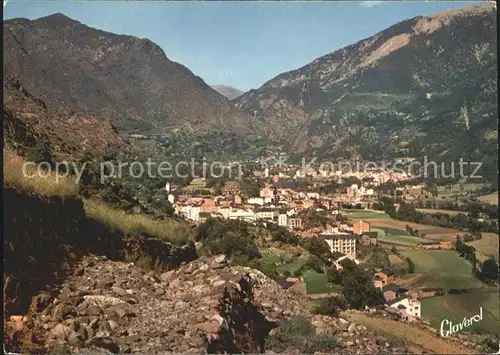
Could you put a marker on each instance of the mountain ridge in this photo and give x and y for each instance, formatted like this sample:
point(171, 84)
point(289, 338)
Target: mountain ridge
point(405, 91)
point(228, 91)
point(125, 79)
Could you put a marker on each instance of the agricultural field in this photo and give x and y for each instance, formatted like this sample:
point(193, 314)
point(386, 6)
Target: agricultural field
point(364, 214)
point(396, 236)
point(491, 198)
point(459, 189)
point(455, 307)
point(487, 246)
point(431, 232)
point(436, 210)
point(442, 268)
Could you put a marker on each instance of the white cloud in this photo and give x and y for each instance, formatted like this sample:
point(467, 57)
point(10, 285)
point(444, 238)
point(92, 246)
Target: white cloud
point(370, 3)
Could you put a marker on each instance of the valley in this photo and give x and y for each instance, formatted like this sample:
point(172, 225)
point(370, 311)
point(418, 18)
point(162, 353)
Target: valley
point(120, 237)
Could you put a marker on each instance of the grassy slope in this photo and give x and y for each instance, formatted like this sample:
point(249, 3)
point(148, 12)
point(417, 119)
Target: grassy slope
point(488, 245)
point(47, 186)
point(442, 268)
point(456, 307)
point(491, 198)
point(409, 333)
point(128, 224)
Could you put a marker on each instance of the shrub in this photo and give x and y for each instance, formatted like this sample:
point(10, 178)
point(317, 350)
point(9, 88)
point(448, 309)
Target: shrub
point(330, 306)
point(230, 237)
point(298, 333)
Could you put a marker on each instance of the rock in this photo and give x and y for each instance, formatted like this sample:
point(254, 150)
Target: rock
point(220, 258)
point(60, 332)
point(180, 305)
point(102, 301)
point(119, 291)
point(380, 340)
point(76, 339)
point(197, 340)
point(166, 276)
point(92, 311)
point(351, 328)
point(79, 271)
point(209, 327)
point(107, 343)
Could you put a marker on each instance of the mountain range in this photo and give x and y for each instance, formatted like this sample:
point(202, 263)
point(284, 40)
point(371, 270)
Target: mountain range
point(126, 80)
point(414, 89)
point(426, 86)
point(228, 91)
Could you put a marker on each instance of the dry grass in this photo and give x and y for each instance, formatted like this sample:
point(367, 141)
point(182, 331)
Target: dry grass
point(487, 245)
point(135, 224)
point(431, 232)
point(410, 333)
point(491, 198)
point(432, 210)
point(45, 186)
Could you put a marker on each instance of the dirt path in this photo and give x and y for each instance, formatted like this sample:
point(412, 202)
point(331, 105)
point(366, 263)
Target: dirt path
point(410, 334)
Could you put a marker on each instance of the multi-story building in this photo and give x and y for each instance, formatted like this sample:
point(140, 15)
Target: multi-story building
point(256, 201)
point(266, 192)
point(294, 223)
point(225, 211)
point(410, 307)
point(265, 213)
point(191, 212)
point(360, 227)
point(241, 214)
point(341, 243)
point(283, 219)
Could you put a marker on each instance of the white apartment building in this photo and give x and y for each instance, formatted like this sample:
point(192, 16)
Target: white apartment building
point(244, 215)
point(411, 306)
point(264, 213)
point(225, 211)
point(256, 201)
point(191, 213)
point(283, 219)
point(341, 243)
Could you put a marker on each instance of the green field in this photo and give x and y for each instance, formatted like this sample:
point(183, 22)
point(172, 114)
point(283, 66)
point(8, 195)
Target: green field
point(318, 283)
point(315, 282)
point(455, 307)
point(364, 214)
point(456, 189)
point(443, 268)
point(396, 236)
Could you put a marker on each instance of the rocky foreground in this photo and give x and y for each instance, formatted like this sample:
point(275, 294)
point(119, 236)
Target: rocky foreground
point(204, 306)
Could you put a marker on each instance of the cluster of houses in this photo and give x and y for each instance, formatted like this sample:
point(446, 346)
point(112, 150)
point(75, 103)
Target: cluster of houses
point(282, 206)
point(377, 176)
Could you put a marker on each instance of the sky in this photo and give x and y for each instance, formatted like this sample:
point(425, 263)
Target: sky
point(238, 43)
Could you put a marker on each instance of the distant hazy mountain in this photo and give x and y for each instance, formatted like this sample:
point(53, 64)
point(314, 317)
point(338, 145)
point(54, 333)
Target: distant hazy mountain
point(228, 91)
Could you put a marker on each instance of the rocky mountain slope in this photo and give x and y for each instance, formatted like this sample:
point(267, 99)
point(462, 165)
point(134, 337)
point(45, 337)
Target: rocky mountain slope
point(228, 91)
point(28, 122)
point(126, 80)
point(416, 88)
point(204, 306)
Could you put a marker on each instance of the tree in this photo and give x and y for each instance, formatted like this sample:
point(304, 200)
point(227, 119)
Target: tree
point(334, 276)
point(40, 153)
point(359, 291)
point(330, 306)
point(489, 269)
point(411, 265)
